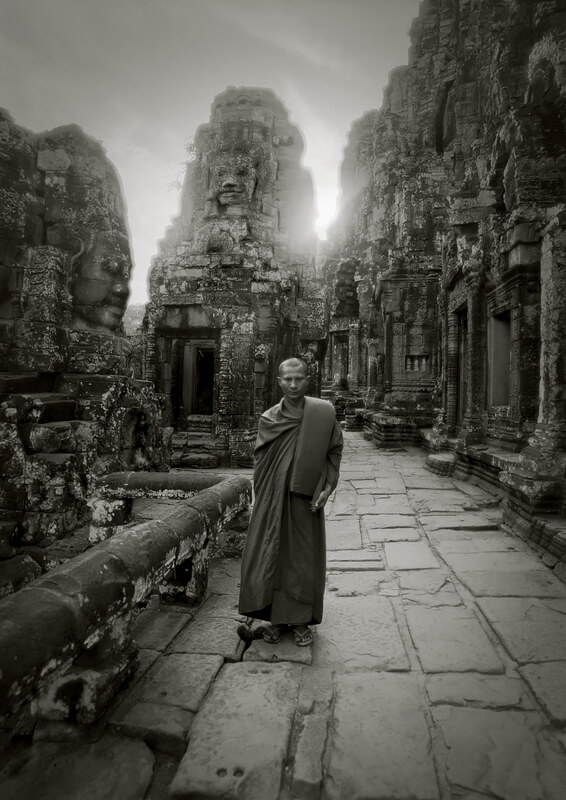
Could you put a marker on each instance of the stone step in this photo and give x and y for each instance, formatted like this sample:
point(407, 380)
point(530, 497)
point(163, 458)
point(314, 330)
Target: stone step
point(196, 461)
point(46, 406)
point(26, 382)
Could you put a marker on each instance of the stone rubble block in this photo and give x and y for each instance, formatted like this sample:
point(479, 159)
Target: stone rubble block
point(531, 583)
point(162, 727)
point(307, 765)
point(209, 634)
point(366, 555)
point(485, 691)
point(415, 482)
point(155, 629)
point(239, 738)
point(284, 651)
point(355, 583)
point(359, 484)
point(343, 534)
point(380, 745)
point(507, 754)
point(390, 487)
point(447, 541)
point(359, 633)
point(425, 581)
point(221, 605)
point(387, 520)
point(225, 576)
point(547, 682)
point(379, 535)
point(409, 555)
point(467, 521)
point(178, 679)
point(451, 639)
point(498, 562)
point(113, 767)
point(359, 566)
point(316, 691)
point(533, 630)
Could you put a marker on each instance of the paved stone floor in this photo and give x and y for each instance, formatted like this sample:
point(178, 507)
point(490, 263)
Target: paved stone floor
point(439, 671)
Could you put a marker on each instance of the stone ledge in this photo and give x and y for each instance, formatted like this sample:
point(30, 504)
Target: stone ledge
point(90, 599)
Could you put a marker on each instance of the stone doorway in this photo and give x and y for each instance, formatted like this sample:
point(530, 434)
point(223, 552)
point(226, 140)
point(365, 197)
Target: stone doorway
point(198, 378)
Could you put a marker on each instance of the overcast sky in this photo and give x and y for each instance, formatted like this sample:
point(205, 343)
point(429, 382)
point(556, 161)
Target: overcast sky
point(140, 76)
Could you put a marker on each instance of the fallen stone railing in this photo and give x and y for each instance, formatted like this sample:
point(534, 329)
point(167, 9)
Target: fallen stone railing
point(65, 640)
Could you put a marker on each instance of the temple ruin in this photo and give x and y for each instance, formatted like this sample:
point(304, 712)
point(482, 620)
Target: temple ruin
point(435, 316)
point(446, 267)
point(69, 410)
point(233, 288)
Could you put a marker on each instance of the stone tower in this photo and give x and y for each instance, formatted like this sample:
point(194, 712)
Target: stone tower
point(69, 410)
point(227, 284)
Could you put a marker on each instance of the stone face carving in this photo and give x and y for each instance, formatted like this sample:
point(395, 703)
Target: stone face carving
point(67, 410)
point(233, 180)
point(99, 286)
point(227, 282)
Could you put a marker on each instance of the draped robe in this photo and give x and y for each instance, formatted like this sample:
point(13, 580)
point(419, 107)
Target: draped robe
point(298, 451)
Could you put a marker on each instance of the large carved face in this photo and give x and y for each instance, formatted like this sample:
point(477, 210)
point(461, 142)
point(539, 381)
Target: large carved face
point(233, 180)
point(100, 288)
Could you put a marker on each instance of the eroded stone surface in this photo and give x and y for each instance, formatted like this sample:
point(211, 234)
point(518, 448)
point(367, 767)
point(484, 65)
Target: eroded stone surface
point(239, 738)
point(470, 689)
point(177, 680)
point(547, 682)
point(451, 640)
point(380, 745)
point(359, 633)
point(482, 755)
point(111, 767)
point(208, 634)
point(155, 629)
point(532, 630)
point(409, 555)
point(284, 650)
point(163, 727)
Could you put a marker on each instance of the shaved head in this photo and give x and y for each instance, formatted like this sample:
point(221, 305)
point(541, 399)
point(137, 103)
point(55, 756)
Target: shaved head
point(293, 363)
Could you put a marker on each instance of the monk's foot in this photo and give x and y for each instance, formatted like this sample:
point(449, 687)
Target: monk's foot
point(302, 635)
point(272, 634)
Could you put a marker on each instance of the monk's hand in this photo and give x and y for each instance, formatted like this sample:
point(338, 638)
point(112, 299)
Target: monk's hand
point(320, 502)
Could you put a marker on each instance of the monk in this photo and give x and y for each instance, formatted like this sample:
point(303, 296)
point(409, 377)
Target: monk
point(296, 467)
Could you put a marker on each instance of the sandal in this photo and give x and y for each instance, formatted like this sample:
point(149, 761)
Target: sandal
point(303, 638)
point(272, 634)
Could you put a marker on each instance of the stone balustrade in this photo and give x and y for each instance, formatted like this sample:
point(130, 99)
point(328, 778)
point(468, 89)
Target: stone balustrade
point(65, 640)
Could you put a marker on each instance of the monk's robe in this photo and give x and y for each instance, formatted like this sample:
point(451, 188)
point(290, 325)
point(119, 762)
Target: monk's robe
point(298, 451)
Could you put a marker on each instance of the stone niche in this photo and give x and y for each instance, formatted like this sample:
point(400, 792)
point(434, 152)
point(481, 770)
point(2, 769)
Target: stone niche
point(69, 412)
point(233, 288)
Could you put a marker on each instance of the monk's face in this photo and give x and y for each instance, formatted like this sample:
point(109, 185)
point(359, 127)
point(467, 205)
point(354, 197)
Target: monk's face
point(293, 381)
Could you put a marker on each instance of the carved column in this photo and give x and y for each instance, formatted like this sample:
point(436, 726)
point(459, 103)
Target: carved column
point(546, 452)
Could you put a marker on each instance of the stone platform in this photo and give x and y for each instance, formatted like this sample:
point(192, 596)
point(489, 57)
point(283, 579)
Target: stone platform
point(438, 672)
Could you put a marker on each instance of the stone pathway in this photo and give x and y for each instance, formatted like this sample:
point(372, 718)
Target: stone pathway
point(439, 672)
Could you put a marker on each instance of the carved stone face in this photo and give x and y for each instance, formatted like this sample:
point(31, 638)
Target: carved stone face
point(233, 180)
point(100, 288)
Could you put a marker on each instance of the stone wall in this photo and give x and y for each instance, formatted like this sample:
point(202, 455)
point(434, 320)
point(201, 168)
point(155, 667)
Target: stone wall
point(233, 289)
point(69, 411)
point(453, 214)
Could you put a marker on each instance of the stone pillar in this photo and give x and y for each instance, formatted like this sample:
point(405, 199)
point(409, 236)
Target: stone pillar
point(354, 360)
point(546, 451)
point(451, 373)
point(472, 427)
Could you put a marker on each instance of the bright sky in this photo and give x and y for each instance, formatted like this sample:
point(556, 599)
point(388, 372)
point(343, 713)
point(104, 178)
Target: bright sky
point(140, 76)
